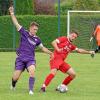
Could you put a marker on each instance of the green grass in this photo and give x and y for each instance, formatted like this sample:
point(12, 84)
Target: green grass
point(86, 86)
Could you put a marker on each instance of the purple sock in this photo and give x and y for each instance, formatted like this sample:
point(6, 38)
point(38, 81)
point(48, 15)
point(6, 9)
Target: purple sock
point(31, 83)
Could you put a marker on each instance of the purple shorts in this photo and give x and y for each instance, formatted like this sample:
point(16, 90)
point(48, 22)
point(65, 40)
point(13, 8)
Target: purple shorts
point(21, 64)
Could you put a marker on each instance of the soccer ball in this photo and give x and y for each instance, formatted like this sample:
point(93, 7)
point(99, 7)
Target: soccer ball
point(62, 88)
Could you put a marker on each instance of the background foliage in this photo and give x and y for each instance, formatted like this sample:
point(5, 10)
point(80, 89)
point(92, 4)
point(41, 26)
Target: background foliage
point(48, 28)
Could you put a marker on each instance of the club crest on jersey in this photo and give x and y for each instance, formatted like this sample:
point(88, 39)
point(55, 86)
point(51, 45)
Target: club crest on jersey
point(35, 39)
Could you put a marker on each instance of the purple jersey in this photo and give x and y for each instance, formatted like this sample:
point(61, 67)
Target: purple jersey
point(28, 44)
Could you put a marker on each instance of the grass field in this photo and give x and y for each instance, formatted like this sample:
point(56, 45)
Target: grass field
point(86, 86)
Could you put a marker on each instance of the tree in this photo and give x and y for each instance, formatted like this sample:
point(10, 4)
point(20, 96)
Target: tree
point(44, 7)
point(4, 7)
point(86, 5)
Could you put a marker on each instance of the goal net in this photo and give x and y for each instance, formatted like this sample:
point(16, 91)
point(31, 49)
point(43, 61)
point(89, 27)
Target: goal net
point(84, 22)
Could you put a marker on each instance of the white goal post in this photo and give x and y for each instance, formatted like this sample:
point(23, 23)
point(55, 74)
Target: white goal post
point(76, 11)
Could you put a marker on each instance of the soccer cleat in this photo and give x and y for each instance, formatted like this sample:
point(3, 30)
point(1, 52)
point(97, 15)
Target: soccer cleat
point(62, 88)
point(58, 88)
point(42, 89)
point(31, 92)
point(92, 55)
point(12, 88)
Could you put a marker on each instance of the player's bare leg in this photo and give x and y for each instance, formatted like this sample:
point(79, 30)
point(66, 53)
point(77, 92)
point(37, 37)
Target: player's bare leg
point(71, 75)
point(48, 79)
point(31, 70)
point(15, 77)
point(69, 78)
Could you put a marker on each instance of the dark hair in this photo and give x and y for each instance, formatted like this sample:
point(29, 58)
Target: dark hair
point(34, 24)
point(96, 24)
point(76, 32)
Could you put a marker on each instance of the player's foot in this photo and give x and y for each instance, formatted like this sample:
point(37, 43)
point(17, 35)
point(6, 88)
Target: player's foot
point(12, 88)
point(58, 88)
point(92, 55)
point(42, 89)
point(62, 88)
point(31, 92)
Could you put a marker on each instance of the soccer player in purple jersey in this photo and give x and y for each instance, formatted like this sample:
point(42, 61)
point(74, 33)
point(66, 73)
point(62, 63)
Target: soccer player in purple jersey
point(26, 51)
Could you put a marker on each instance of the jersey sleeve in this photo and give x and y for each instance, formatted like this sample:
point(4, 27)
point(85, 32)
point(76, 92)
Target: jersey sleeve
point(61, 39)
point(39, 41)
point(74, 47)
point(40, 45)
point(23, 32)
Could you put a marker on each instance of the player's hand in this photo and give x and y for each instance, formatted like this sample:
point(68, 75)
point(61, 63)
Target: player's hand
point(51, 56)
point(59, 50)
point(11, 10)
point(91, 39)
point(92, 54)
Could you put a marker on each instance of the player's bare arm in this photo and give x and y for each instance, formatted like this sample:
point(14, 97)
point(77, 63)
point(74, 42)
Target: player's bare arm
point(54, 44)
point(93, 34)
point(13, 17)
point(84, 51)
point(44, 49)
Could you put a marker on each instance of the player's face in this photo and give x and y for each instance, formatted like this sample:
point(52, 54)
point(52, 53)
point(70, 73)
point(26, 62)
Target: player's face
point(73, 36)
point(33, 30)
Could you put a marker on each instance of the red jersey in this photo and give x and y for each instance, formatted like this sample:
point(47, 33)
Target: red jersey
point(66, 46)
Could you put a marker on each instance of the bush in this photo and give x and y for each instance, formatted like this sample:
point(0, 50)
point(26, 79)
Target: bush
point(64, 6)
point(24, 7)
point(86, 5)
point(44, 7)
point(48, 29)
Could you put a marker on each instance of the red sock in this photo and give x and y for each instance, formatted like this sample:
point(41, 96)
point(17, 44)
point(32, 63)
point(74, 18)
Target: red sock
point(67, 80)
point(48, 79)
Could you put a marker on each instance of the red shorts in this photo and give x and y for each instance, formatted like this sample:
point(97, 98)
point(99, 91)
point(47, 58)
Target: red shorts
point(59, 64)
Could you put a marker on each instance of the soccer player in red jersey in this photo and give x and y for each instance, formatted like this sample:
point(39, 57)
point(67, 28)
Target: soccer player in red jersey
point(63, 46)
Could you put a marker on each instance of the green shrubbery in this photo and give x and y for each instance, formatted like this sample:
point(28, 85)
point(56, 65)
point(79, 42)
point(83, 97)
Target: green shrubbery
point(86, 5)
point(64, 6)
point(48, 29)
point(24, 7)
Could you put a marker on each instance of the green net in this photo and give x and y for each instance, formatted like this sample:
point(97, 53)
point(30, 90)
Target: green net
point(84, 23)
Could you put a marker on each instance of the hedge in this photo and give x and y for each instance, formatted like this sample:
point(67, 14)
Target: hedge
point(48, 29)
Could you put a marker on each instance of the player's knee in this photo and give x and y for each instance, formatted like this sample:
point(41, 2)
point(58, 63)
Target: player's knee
point(31, 73)
point(73, 75)
point(31, 70)
point(53, 71)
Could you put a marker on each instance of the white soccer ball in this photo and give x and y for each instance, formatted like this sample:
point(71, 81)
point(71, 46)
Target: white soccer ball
point(62, 88)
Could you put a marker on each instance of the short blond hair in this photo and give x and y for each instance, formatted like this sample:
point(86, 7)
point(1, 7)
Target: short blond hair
point(34, 24)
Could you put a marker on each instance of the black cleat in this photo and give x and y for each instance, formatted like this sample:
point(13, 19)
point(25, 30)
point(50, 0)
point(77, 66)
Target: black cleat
point(92, 55)
point(42, 89)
